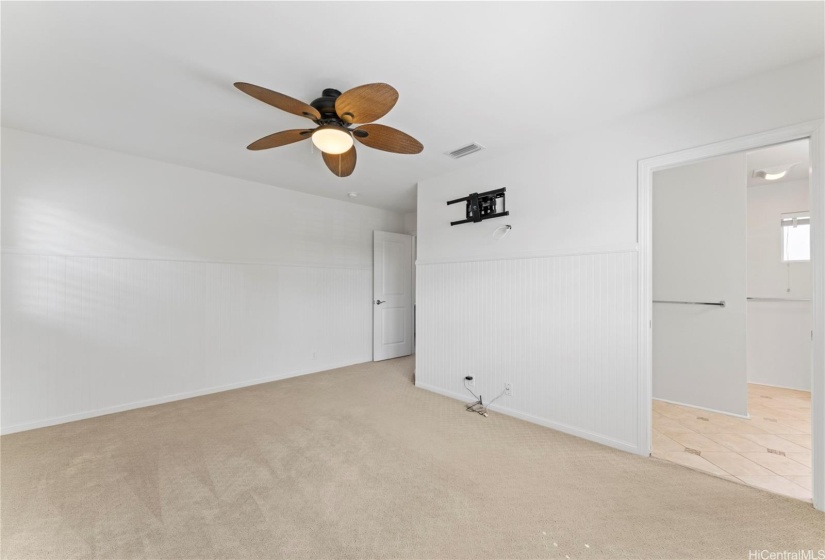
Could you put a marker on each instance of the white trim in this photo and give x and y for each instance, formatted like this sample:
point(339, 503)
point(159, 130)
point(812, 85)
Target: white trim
point(414, 285)
point(815, 130)
point(745, 416)
point(817, 149)
point(5, 430)
point(779, 387)
point(572, 252)
point(558, 426)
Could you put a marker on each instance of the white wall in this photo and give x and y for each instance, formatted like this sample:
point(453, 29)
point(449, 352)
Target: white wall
point(779, 333)
point(699, 255)
point(567, 286)
point(410, 222)
point(127, 281)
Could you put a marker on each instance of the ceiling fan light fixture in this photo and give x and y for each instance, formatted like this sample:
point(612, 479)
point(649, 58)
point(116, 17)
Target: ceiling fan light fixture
point(775, 176)
point(332, 139)
point(334, 112)
point(774, 173)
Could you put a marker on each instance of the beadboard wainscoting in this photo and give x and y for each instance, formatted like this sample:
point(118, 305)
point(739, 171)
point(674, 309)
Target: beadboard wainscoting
point(128, 282)
point(99, 335)
point(560, 329)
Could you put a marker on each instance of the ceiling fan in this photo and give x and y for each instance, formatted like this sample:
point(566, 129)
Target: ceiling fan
point(335, 113)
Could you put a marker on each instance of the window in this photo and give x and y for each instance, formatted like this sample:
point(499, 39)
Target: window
point(796, 237)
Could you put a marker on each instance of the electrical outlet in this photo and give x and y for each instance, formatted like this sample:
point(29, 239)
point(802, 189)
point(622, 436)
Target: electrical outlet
point(508, 389)
point(470, 381)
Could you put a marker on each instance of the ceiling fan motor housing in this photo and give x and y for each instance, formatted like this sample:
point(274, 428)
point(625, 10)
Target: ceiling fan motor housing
point(326, 104)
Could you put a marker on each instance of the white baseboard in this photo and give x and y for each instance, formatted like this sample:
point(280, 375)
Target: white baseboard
point(573, 431)
point(54, 421)
point(745, 416)
point(808, 390)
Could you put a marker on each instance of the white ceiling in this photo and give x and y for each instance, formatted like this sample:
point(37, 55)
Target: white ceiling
point(796, 152)
point(155, 79)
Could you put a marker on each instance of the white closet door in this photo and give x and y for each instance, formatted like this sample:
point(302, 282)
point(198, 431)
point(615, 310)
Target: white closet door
point(392, 295)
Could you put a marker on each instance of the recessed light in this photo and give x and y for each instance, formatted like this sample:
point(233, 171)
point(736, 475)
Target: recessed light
point(352, 194)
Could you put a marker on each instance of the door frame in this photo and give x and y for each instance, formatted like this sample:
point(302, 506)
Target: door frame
point(815, 132)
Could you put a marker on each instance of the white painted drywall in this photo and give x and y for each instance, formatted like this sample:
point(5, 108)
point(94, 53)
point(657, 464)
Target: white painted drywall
point(127, 281)
point(592, 175)
point(779, 333)
point(573, 200)
point(699, 255)
point(410, 223)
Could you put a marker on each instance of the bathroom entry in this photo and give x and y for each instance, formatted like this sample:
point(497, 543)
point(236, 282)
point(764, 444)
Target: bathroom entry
point(699, 285)
point(732, 317)
point(779, 267)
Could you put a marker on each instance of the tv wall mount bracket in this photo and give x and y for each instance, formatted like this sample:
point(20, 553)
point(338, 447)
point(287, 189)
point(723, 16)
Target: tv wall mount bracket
point(482, 206)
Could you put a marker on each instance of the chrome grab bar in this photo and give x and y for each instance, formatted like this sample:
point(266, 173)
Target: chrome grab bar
point(716, 303)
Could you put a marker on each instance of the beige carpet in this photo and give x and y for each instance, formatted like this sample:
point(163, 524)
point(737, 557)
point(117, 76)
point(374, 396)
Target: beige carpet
point(358, 463)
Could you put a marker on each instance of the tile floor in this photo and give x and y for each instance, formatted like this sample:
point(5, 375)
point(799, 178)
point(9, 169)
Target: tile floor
point(770, 450)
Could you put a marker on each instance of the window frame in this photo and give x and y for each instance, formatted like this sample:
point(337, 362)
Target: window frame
point(804, 215)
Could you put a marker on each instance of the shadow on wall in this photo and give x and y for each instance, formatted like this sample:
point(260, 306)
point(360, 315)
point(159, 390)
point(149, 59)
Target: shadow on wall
point(58, 231)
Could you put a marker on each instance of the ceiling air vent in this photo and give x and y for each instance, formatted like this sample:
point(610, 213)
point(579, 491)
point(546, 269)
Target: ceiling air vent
point(465, 150)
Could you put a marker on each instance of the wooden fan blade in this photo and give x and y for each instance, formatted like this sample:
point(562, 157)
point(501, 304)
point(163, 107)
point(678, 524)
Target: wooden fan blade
point(279, 100)
point(341, 164)
point(387, 138)
point(280, 139)
point(367, 103)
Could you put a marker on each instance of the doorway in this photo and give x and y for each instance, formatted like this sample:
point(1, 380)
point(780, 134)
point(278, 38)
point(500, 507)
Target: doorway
point(731, 317)
point(705, 311)
point(392, 302)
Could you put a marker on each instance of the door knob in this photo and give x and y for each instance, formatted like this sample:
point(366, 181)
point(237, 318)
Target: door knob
point(379, 302)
